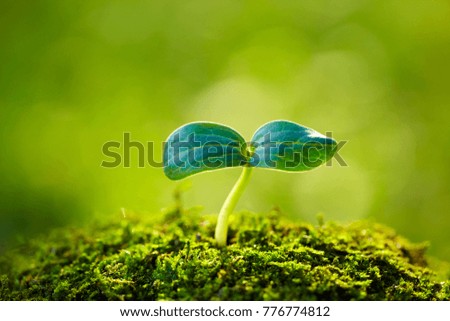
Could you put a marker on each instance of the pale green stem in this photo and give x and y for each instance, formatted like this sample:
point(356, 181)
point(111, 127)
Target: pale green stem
point(229, 205)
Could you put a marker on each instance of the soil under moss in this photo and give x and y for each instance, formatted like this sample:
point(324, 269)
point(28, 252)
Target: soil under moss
point(176, 259)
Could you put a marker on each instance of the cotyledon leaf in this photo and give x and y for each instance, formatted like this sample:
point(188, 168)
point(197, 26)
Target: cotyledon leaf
point(202, 146)
point(288, 146)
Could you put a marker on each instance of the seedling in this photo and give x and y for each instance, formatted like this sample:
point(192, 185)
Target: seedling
point(282, 145)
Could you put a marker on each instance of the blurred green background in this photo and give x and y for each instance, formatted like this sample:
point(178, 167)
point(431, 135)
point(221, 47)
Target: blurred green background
point(76, 74)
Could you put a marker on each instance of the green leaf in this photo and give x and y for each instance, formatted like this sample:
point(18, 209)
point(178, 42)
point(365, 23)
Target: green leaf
point(288, 146)
point(202, 146)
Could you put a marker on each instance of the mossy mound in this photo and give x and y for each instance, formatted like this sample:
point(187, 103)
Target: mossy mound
point(177, 259)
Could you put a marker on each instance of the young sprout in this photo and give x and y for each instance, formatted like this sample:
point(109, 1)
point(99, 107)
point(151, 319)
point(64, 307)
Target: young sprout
point(280, 144)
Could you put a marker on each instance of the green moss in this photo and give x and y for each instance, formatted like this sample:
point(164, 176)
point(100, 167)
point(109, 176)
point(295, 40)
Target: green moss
point(176, 259)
